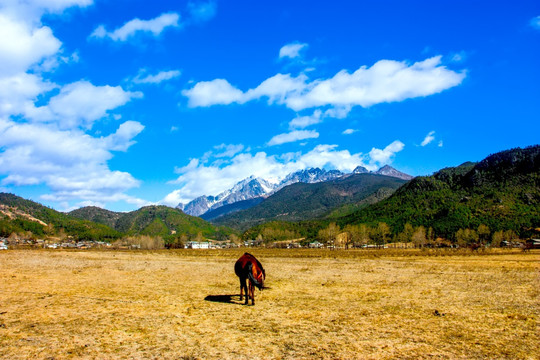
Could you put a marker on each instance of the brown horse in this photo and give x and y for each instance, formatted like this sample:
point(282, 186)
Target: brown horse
point(248, 267)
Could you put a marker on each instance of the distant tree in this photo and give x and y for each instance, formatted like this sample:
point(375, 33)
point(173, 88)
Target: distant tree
point(510, 235)
point(381, 234)
point(364, 234)
point(419, 237)
point(199, 237)
point(430, 236)
point(465, 237)
point(407, 233)
point(329, 234)
point(354, 234)
point(235, 239)
point(497, 238)
point(483, 233)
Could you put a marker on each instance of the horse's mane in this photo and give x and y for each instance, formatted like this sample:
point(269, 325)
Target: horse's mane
point(258, 263)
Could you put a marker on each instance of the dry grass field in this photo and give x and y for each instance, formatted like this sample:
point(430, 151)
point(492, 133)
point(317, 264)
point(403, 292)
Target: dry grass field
point(403, 304)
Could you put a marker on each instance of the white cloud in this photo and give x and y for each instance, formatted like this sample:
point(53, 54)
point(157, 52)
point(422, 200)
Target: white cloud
point(81, 104)
point(349, 131)
point(22, 45)
point(385, 81)
point(32, 10)
point(122, 139)
point(386, 155)
point(215, 92)
point(202, 11)
point(292, 50)
point(202, 178)
point(18, 92)
point(301, 122)
point(47, 145)
point(153, 26)
point(157, 78)
point(71, 163)
point(228, 150)
point(278, 88)
point(440, 144)
point(318, 116)
point(293, 136)
point(535, 22)
point(428, 139)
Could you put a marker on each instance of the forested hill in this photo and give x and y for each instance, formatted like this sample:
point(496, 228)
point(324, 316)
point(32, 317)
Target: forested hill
point(302, 201)
point(502, 192)
point(153, 220)
point(97, 214)
point(18, 215)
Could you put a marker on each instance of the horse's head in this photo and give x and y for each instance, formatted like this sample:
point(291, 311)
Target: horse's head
point(257, 275)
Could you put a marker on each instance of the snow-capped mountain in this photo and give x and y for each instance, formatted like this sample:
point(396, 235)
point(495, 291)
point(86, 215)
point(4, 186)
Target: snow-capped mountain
point(246, 189)
point(360, 170)
point(310, 176)
point(390, 171)
point(252, 187)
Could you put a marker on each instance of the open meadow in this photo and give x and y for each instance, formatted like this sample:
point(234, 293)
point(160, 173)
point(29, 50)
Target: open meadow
point(370, 304)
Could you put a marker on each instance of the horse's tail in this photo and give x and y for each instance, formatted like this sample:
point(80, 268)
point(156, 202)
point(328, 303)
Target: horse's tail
point(252, 278)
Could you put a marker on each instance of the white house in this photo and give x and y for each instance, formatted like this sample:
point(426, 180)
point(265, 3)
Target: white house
point(197, 245)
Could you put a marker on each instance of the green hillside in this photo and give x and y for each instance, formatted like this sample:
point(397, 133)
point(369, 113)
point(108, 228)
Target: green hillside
point(303, 201)
point(502, 192)
point(163, 221)
point(98, 215)
point(18, 215)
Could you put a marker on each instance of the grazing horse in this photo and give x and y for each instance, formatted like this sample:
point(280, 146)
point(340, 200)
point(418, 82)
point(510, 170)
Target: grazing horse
point(248, 267)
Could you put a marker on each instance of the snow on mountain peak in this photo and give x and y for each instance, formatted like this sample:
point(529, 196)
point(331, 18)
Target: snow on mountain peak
point(254, 187)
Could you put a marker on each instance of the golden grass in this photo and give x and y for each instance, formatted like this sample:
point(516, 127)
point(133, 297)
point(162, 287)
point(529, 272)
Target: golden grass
point(321, 304)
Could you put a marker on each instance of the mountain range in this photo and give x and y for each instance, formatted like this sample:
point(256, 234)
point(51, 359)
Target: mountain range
point(305, 201)
point(501, 192)
point(256, 188)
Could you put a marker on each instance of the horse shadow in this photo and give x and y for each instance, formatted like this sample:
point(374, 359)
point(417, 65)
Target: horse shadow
point(226, 299)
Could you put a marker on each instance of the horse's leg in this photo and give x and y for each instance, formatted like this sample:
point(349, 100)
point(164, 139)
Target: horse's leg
point(252, 292)
point(243, 286)
point(241, 289)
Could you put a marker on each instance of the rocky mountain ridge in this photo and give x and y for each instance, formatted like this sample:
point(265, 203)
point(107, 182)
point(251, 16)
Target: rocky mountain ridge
point(253, 187)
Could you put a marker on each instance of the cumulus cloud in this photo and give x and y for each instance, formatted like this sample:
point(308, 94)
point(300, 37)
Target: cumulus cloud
point(349, 131)
point(385, 81)
point(161, 76)
point(122, 139)
point(32, 10)
point(202, 178)
point(215, 92)
point(293, 136)
point(71, 163)
point(23, 45)
point(428, 139)
point(153, 27)
point(47, 144)
point(386, 155)
point(82, 103)
point(292, 50)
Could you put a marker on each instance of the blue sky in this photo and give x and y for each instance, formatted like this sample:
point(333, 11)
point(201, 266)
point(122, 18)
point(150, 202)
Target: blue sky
point(123, 103)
